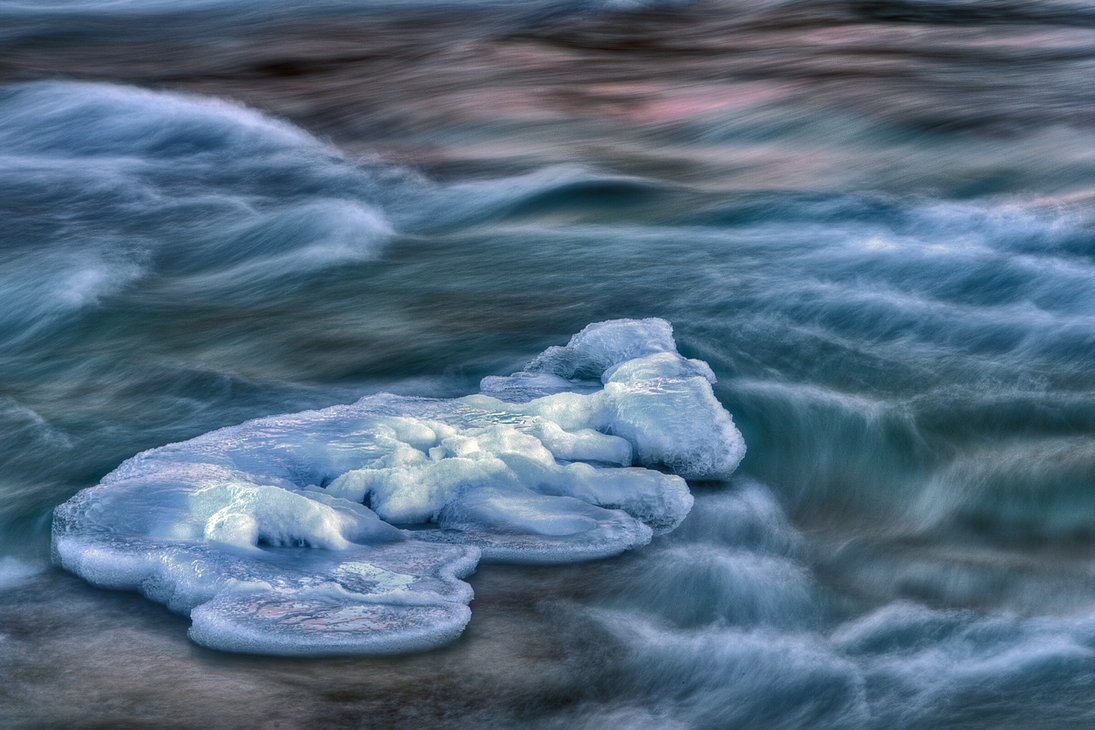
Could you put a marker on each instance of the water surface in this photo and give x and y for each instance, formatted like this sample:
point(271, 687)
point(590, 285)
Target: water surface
point(873, 220)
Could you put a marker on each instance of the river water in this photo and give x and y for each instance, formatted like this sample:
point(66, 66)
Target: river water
point(873, 219)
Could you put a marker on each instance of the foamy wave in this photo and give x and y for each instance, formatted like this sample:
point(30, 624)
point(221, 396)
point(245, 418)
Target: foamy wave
point(115, 185)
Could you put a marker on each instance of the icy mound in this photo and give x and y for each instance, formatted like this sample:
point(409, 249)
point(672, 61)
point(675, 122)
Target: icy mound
point(658, 401)
point(279, 535)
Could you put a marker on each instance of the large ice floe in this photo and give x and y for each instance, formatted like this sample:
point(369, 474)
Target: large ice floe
point(348, 529)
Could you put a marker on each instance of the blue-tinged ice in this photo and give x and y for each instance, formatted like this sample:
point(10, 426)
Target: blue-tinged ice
point(348, 529)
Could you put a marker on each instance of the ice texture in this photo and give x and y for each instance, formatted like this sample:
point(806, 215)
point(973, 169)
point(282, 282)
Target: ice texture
point(348, 529)
point(658, 401)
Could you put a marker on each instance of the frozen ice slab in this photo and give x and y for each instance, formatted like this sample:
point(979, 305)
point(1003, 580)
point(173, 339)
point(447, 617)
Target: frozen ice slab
point(348, 529)
point(382, 599)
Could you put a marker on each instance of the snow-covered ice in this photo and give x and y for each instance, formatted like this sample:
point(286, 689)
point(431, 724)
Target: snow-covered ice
point(348, 529)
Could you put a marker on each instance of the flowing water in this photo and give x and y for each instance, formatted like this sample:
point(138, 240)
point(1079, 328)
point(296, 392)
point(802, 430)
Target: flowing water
point(875, 220)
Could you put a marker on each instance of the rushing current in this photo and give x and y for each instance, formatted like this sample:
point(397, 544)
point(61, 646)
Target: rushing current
point(547, 364)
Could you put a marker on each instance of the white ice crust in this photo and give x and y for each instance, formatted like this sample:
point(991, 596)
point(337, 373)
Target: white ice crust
point(348, 529)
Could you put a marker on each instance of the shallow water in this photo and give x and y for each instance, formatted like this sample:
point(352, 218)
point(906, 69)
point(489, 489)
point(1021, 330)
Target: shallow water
point(873, 220)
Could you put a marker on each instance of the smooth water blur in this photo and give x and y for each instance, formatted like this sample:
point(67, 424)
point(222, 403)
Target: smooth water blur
point(873, 220)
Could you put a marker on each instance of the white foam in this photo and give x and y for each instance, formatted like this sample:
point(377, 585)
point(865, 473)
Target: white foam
point(279, 535)
point(14, 571)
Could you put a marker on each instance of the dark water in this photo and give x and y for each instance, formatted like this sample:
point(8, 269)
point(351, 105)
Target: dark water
point(873, 220)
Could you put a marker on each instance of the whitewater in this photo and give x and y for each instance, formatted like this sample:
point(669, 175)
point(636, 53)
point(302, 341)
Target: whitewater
point(547, 364)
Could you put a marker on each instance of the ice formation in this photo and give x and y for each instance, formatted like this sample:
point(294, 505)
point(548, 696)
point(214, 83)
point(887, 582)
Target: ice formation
point(348, 529)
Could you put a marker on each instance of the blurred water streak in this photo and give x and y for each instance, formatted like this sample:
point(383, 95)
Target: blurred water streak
point(873, 219)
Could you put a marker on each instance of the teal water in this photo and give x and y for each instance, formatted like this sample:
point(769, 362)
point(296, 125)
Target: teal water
point(873, 220)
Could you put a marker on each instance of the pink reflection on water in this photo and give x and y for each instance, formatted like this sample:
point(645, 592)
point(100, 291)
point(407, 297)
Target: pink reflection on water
point(664, 102)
